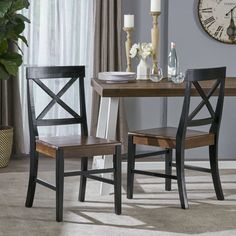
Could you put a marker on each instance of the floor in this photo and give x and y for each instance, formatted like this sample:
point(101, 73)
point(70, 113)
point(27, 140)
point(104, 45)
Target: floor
point(153, 211)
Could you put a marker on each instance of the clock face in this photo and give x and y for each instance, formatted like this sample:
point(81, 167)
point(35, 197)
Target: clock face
point(218, 18)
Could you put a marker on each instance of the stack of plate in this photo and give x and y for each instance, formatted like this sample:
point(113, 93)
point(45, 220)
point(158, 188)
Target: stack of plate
point(117, 77)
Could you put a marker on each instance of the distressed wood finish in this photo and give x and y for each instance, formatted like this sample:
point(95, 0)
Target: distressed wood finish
point(166, 138)
point(77, 145)
point(152, 89)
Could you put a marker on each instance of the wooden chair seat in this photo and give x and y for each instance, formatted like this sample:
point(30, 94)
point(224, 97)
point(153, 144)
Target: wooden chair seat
point(166, 137)
point(76, 145)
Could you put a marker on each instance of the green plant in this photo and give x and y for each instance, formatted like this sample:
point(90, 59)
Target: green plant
point(12, 24)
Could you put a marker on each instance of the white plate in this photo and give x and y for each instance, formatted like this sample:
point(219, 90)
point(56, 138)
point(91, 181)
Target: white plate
point(117, 76)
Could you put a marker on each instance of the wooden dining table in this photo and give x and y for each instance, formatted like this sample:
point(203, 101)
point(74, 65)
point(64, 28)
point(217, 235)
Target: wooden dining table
point(111, 93)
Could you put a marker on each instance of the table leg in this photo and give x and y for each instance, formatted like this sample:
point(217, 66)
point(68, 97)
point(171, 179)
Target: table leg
point(107, 123)
point(98, 161)
point(110, 134)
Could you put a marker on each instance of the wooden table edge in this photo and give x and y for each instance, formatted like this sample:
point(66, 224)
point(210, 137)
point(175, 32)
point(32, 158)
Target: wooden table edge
point(154, 90)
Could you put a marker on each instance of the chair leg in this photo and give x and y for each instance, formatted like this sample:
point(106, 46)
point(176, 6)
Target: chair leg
point(181, 177)
point(130, 167)
point(213, 153)
point(32, 179)
point(117, 180)
point(59, 185)
point(168, 169)
point(83, 179)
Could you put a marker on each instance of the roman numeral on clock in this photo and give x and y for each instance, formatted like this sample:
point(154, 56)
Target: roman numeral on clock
point(219, 31)
point(207, 10)
point(211, 20)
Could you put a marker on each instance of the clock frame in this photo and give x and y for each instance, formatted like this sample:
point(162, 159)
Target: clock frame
point(218, 19)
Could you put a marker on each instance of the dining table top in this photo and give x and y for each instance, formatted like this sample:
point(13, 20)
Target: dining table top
point(147, 88)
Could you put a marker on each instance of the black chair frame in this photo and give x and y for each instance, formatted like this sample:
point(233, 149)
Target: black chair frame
point(37, 75)
point(194, 78)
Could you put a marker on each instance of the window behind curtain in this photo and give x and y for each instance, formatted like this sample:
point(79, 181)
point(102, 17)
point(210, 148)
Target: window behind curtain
point(60, 33)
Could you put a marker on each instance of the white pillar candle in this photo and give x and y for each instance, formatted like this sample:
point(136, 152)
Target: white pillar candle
point(128, 21)
point(155, 5)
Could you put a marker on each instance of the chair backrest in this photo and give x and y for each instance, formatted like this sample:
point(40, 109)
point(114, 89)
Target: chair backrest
point(37, 75)
point(197, 78)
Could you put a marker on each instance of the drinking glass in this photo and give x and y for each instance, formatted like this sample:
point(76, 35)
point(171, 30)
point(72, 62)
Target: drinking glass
point(157, 77)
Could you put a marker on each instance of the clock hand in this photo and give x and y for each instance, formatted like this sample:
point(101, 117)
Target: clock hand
point(231, 11)
point(231, 28)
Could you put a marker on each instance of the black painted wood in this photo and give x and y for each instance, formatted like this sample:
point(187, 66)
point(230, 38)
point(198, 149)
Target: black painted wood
point(52, 72)
point(56, 98)
point(117, 180)
point(88, 172)
point(202, 103)
point(59, 184)
point(83, 179)
point(142, 172)
point(104, 180)
point(193, 77)
point(130, 167)
point(196, 168)
point(46, 184)
point(32, 176)
point(59, 95)
point(142, 155)
point(213, 153)
point(168, 169)
point(37, 75)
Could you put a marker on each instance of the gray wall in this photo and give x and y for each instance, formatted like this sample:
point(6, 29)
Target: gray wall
point(141, 112)
point(195, 50)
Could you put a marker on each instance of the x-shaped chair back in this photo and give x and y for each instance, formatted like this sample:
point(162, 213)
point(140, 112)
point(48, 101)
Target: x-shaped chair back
point(37, 75)
point(58, 147)
point(197, 78)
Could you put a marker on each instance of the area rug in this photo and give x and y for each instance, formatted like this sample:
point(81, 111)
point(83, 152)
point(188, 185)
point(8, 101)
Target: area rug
point(153, 211)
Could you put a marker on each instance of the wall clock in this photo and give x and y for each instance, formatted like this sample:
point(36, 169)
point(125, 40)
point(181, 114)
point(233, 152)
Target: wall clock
point(218, 19)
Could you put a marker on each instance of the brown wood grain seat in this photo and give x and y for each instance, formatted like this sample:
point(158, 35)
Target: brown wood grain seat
point(76, 145)
point(184, 137)
point(60, 147)
point(165, 137)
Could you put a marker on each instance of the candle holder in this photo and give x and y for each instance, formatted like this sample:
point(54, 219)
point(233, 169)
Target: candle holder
point(155, 41)
point(128, 45)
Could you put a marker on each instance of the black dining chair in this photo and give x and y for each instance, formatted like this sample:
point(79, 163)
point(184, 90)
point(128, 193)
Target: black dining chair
point(59, 147)
point(182, 138)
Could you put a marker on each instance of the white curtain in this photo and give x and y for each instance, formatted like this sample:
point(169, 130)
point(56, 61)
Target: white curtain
point(60, 33)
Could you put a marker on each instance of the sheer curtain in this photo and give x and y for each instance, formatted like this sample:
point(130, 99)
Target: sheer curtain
point(60, 33)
